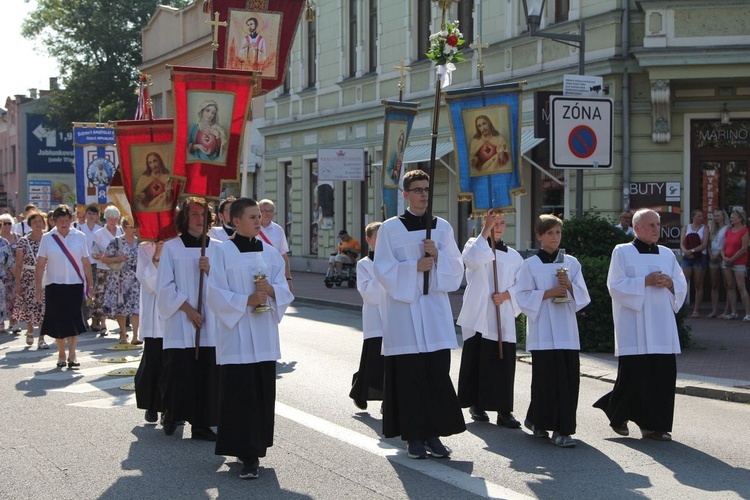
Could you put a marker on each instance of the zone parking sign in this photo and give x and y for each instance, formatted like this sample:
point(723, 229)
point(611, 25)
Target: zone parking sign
point(581, 131)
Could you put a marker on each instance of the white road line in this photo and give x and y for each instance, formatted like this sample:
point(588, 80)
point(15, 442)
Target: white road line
point(99, 385)
point(106, 403)
point(100, 369)
point(467, 482)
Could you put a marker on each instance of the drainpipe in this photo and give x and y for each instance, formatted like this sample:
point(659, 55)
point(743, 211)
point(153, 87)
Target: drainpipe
point(625, 106)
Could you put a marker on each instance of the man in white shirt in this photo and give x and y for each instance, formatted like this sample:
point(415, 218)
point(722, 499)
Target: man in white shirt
point(274, 235)
point(21, 228)
point(626, 223)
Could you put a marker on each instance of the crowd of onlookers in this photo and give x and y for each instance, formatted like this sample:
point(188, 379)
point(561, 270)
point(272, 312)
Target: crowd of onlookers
point(112, 248)
point(717, 248)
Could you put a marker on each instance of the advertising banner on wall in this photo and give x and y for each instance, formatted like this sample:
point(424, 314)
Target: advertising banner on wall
point(48, 150)
point(47, 191)
point(664, 198)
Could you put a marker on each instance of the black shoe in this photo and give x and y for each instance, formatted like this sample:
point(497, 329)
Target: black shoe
point(73, 365)
point(478, 415)
point(151, 416)
point(203, 433)
point(361, 404)
point(621, 429)
point(249, 469)
point(169, 425)
point(508, 420)
point(436, 448)
point(417, 450)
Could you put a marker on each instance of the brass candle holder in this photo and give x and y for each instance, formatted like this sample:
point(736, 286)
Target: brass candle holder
point(262, 307)
point(561, 300)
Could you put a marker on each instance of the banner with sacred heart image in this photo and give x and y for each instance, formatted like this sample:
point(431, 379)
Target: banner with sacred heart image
point(146, 153)
point(258, 37)
point(211, 110)
point(486, 126)
point(399, 117)
point(96, 161)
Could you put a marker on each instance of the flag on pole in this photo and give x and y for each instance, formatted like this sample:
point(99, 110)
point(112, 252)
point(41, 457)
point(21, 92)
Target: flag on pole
point(96, 161)
point(399, 117)
point(486, 127)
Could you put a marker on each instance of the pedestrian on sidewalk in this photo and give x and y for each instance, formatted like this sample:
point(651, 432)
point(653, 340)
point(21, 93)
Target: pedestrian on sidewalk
point(420, 401)
point(647, 287)
point(694, 240)
point(734, 257)
point(717, 233)
point(247, 274)
point(485, 381)
point(367, 382)
point(550, 289)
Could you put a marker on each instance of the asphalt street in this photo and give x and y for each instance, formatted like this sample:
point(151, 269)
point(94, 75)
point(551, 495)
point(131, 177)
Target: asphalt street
point(76, 435)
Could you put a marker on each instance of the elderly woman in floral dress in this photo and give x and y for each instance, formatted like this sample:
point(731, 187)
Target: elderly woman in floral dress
point(8, 283)
point(27, 309)
point(123, 291)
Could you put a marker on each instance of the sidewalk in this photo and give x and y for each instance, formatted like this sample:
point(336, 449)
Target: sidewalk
point(717, 366)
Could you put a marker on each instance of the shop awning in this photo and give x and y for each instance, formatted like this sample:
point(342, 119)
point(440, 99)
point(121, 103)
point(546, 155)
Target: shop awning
point(420, 153)
point(528, 141)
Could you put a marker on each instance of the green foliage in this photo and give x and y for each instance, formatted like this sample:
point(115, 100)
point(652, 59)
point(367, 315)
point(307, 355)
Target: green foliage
point(521, 331)
point(592, 235)
point(97, 44)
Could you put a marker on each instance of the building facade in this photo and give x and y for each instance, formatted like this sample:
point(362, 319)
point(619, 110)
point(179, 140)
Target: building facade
point(677, 71)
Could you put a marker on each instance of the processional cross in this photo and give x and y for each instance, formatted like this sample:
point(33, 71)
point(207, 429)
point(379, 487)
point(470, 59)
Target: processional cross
point(401, 85)
point(480, 63)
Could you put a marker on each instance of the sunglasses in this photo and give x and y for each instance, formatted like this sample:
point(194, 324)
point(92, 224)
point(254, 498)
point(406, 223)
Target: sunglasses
point(7, 223)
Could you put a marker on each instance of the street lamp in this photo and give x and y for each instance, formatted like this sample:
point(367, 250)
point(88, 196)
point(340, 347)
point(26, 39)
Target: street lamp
point(534, 10)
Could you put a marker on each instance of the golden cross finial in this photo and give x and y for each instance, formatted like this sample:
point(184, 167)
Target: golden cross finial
point(480, 63)
point(215, 24)
point(401, 69)
point(444, 6)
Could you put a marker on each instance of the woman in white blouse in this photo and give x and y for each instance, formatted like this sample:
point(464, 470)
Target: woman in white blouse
point(64, 283)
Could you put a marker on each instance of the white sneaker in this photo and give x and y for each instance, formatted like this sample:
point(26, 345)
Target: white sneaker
point(746, 318)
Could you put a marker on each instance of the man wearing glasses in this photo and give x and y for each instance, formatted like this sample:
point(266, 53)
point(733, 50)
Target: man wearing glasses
point(418, 332)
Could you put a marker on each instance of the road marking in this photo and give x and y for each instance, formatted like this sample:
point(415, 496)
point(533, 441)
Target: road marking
point(467, 482)
point(99, 385)
point(107, 403)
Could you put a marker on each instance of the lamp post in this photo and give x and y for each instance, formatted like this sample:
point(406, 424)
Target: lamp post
point(534, 10)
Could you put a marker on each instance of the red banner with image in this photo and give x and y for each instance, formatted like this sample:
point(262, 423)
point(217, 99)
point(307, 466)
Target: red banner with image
point(146, 150)
point(211, 109)
point(258, 36)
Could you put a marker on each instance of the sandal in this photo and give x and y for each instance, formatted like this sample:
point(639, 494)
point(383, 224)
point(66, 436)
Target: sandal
point(16, 329)
point(137, 342)
point(74, 365)
point(730, 316)
point(30, 338)
point(695, 315)
point(60, 363)
point(42, 345)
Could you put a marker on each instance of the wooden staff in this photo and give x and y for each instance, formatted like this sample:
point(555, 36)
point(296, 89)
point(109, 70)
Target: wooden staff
point(431, 173)
point(497, 307)
point(200, 280)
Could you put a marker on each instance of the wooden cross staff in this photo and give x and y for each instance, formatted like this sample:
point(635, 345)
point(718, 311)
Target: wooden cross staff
point(401, 85)
point(215, 24)
point(480, 63)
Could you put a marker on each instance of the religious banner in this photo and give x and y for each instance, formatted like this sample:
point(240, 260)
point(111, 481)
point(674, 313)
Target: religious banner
point(146, 154)
point(486, 126)
point(96, 161)
point(211, 109)
point(399, 117)
point(258, 36)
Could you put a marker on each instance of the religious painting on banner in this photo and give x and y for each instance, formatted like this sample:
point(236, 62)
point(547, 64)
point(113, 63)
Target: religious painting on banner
point(258, 37)
point(211, 110)
point(96, 161)
point(399, 117)
point(486, 126)
point(146, 154)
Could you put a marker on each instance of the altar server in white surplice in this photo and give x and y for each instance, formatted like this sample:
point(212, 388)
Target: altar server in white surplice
point(247, 273)
point(147, 392)
point(647, 288)
point(367, 382)
point(189, 386)
point(485, 382)
point(552, 333)
point(224, 230)
point(420, 401)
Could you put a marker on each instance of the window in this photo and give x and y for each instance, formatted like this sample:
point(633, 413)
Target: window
point(372, 39)
point(156, 106)
point(286, 88)
point(561, 10)
point(312, 76)
point(352, 38)
point(287, 169)
point(13, 158)
point(424, 16)
point(466, 20)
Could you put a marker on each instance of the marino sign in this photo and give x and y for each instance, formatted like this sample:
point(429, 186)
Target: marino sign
point(341, 164)
point(711, 134)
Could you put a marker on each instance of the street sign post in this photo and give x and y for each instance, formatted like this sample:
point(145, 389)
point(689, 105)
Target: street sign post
point(581, 129)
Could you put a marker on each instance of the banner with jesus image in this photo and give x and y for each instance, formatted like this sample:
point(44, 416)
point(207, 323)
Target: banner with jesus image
point(486, 126)
point(399, 118)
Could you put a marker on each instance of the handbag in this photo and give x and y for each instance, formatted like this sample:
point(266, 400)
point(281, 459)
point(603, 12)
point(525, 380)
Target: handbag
point(691, 240)
point(117, 266)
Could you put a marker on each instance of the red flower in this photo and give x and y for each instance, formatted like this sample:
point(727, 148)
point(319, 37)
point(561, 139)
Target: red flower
point(452, 40)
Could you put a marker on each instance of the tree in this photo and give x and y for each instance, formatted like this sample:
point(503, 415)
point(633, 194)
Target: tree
point(97, 44)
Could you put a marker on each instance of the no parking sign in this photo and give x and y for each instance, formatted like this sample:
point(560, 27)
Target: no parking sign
point(581, 131)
